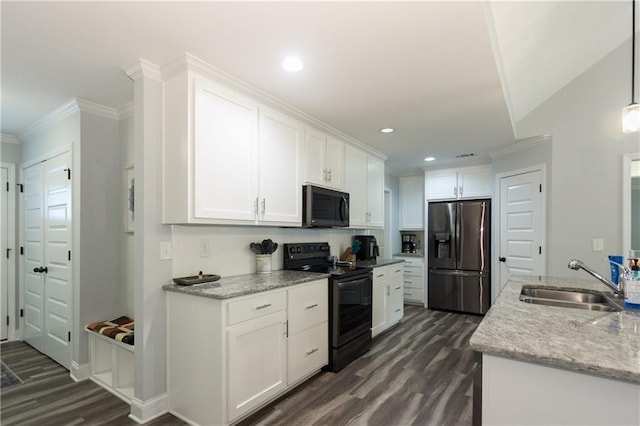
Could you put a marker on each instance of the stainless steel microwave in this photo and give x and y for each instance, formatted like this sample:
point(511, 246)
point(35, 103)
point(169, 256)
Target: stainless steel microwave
point(324, 207)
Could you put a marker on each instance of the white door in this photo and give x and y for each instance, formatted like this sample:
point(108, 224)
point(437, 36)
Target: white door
point(280, 180)
point(334, 161)
point(47, 260)
point(4, 232)
point(521, 225)
point(315, 169)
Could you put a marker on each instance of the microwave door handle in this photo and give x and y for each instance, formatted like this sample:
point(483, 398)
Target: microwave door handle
point(344, 209)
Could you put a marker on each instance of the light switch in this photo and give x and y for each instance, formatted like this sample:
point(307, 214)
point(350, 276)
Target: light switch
point(204, 248)
point(166, 250)
point(598, 244)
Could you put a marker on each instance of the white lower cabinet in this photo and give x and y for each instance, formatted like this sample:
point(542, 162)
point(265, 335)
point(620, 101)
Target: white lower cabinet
point(227, 358)
point(388, 307)
point(413, 279)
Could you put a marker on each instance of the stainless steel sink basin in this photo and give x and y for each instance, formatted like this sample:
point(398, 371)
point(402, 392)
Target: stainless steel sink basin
point(585, 299)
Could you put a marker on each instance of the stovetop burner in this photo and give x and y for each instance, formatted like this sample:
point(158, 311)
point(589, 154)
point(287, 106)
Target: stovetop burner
point(314, 257)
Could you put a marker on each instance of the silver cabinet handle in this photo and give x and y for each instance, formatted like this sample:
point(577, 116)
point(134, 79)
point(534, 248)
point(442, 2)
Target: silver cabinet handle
point(398, 288)
point(461, 191)
point(324, 174)
point(455, 191)
point(264, 205)
point(266, 305)
point(398, 270)
point(407, 294)
point(388, 291)
point(256, 205)
point(312, 351)
point(311, 306)
point(329, 175)
point(398, 310)
point(381, 275)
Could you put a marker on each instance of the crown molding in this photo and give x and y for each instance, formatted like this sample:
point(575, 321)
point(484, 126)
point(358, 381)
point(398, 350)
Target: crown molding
point(189, 62)
point(143, 68)
point(56, 116)
point(6, 138)
point(519, 146)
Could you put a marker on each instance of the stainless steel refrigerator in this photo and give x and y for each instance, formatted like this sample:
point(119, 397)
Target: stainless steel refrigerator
point(459, 238)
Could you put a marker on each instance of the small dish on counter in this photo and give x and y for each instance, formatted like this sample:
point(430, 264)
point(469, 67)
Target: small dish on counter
point(197, 279)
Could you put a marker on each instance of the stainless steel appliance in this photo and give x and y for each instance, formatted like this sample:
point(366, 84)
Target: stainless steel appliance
point(369, 249)
point(459, 245)
point(323, 207)
point(350, 297)
point(409, 243)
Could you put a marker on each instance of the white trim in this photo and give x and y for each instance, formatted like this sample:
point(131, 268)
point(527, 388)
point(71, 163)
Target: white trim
point(79, 372)
point(143, 68)
point(97, 109)
point(145, 411)
point(11, 244)
point(495, 238)
point(47, 156)
point(6, 138)
point(20, 227)
point(519, 146)
point(189, 62)
point(125, 111)
point(626, 201)
point(45, 123)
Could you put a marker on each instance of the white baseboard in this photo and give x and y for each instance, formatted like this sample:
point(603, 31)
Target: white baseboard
point(145, 411)
point(79, 372)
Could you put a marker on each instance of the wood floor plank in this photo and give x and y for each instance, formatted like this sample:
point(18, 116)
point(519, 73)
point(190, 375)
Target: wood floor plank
point(416, 373)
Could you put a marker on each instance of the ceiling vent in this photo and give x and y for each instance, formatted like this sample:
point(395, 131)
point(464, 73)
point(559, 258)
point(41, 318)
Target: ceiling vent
point(465, 155)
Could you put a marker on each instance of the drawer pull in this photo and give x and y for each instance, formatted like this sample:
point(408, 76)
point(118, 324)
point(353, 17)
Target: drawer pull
point(312, 351)
point(398, 270)
point(311, 306)
point(398, 310)
point(398, 288)
point(381, 275)
point(266, 305)
point(407, 294)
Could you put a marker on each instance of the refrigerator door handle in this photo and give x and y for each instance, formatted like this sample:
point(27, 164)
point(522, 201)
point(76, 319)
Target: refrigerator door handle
point(458, 273)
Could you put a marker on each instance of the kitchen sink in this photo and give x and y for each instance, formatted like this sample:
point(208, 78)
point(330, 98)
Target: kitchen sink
point(585, 299)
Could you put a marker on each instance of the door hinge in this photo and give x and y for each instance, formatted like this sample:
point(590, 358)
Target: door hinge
point(21, 251)
point(69, 336)
point(539, 249)
point(68, 173)
point(8, 253)
point(540, 187)
point(286, 328)
point(7, 320)
point(21, 187)
point(21, 313)
point(69, 255)
point(7, 186)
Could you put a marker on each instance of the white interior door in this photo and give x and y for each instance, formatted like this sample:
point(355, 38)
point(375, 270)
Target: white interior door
point(47, 264)
point(4, 232)
point(33, 258)
point(522, 225)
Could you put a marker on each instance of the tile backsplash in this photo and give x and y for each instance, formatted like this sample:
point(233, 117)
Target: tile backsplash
point(229, 252)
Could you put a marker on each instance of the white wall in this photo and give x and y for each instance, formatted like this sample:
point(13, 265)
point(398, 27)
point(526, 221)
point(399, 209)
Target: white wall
point(11, 153)
point(584, 120)
point(127, 262)
point(229, 252)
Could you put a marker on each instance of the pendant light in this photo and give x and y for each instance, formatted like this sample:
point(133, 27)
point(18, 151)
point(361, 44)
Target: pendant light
point(631, 113)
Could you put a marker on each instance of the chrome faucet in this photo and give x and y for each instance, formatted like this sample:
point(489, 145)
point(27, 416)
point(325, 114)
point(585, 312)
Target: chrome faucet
point(576, 264)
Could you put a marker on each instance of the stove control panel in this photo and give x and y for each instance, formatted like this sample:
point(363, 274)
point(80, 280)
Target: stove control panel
point(298, 251)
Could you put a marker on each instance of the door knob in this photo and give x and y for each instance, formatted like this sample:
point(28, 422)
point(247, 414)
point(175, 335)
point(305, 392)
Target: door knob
point(502, 259)
point(41, 270)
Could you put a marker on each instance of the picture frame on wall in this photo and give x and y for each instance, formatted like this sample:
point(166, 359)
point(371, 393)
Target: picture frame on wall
point(129, 193)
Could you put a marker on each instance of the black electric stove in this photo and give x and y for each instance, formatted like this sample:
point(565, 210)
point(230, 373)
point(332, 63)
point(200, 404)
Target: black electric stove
point(350, 298)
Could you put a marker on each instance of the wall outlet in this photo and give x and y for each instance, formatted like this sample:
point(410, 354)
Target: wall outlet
point(166, 250)
point(204, 248)
point(598, 244)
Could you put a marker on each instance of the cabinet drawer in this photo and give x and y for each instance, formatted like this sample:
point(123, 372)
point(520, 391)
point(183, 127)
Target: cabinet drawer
point(255, 306)
point(415, 282)
point(308, 306)
point(413, 294)
point(307, 351)
point(396, 272)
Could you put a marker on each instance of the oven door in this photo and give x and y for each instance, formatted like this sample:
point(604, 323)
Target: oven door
point(351, 313)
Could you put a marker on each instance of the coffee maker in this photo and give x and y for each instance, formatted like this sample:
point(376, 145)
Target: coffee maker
point(368, 248)
point(409, 243)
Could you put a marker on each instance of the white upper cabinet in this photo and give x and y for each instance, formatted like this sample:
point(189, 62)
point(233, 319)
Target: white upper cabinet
point(412, 203)
point(324, 159)
point(460, 183)
point(364, 181)
point(227, 158)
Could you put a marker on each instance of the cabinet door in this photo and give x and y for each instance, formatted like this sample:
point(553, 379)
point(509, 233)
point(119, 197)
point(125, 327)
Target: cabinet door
point(379, 305)
point(334, 162)
point(280, 177)
point(315, 168)
point(441, 184)
point(307, 352)
point(395, 305)
point(375, 192)
point(412, 203)
point(224, 154)
point(256, 357)
point(474, 182)
point(355, 183)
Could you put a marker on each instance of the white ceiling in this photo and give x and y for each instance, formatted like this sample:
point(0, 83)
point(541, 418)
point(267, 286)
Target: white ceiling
point(424, 68)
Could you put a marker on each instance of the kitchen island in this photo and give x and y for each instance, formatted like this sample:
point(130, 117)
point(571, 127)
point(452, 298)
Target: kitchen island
point(555, 365)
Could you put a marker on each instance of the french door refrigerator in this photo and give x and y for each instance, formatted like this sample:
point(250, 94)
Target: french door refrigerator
point(459, 238)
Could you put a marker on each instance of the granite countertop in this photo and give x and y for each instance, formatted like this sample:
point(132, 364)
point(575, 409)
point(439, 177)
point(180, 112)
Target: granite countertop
point(380, 261)
point(240, 285)
point(605, 344)
point(409, 254)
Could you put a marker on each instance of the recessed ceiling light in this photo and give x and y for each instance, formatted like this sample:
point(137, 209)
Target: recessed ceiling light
point(429, 158)
point(292, 64)
point(387, 130)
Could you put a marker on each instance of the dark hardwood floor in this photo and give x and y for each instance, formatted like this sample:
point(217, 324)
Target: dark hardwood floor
point(417, 373)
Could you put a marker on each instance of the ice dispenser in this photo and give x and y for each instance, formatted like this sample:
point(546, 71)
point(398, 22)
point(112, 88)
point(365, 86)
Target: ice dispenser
point(442, 245)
